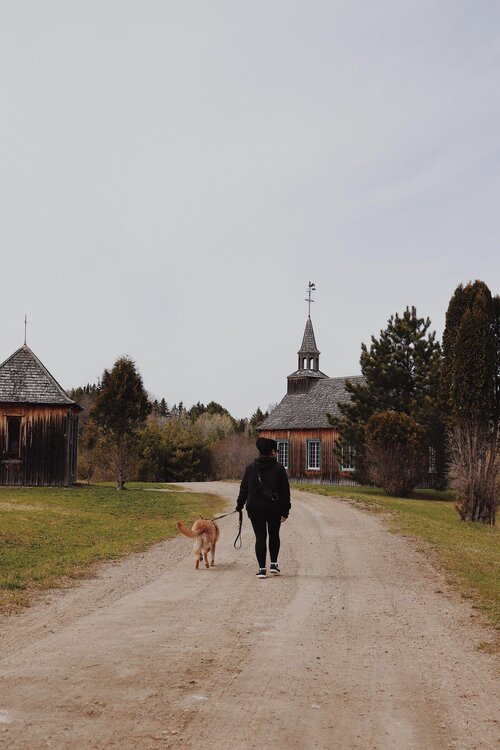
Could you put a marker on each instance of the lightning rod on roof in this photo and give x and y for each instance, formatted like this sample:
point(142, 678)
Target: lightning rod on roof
point(310, 290)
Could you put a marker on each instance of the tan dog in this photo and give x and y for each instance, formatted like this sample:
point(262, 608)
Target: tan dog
point(204, 534)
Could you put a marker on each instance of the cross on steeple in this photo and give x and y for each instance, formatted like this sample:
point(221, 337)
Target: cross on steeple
point(310, 290)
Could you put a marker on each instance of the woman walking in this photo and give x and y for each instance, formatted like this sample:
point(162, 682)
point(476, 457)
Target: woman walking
point(265, 491)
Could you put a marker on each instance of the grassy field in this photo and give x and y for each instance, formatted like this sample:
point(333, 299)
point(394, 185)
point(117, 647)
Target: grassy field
point(469, 552)
point(49, 536)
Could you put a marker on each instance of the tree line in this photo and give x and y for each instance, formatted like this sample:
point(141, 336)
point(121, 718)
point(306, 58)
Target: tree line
point(425, 405)
point(126, 435)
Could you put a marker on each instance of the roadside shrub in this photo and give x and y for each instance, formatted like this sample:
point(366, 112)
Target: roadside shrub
point(395, 452)
point(173, 451)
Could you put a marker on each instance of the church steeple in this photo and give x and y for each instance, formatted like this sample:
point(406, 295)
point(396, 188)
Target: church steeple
point(308, 364)
point(308, 352)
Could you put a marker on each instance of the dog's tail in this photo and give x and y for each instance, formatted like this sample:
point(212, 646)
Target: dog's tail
point(188, 532)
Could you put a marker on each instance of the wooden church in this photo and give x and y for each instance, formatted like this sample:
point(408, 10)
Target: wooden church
point(306, 439)
point(38, 425)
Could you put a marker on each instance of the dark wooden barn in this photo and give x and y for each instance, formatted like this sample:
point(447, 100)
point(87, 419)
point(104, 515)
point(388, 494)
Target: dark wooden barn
point(306, 439)
point(38, 425)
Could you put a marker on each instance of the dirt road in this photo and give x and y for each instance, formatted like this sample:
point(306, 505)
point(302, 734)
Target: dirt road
point(358, 645)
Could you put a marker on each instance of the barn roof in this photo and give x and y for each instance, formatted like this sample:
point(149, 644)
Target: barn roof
point(24, 379)
point(309, 410)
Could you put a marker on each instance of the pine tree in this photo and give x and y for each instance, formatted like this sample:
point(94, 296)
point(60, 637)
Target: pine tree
point(256, 419)
point(121, 408)
point(163, 408)
point(401, 370)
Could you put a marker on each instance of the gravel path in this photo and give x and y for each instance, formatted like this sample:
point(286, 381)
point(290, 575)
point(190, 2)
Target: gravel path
point(358, 645)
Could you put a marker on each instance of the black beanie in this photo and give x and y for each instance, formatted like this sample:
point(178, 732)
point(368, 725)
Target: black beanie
point(266, 445)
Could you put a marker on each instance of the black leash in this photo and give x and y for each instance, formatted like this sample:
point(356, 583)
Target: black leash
point(238, 538)
point(217, 518)
point(237, 542)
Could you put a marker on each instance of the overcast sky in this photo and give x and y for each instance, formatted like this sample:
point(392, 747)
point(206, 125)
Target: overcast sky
point(174, 173)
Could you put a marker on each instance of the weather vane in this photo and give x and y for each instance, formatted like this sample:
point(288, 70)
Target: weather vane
point(311, 289)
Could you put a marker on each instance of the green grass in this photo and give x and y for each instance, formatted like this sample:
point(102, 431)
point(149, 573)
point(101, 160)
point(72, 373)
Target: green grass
point(50, 535)
point(469, 552)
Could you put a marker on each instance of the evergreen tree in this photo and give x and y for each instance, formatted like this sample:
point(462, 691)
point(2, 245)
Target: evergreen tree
point(241, 426)
point(401, 370)
point(470, 398)
point(187, 458)
point(256, 419)
point(152, 453)
point(196, 411)
point(120, 410)
point(163, 408)
point(214, 408)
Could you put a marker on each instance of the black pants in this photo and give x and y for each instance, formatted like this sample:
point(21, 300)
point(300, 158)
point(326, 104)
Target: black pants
point(262, 527)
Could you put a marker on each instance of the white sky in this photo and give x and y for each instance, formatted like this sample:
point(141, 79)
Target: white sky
point(173, 174)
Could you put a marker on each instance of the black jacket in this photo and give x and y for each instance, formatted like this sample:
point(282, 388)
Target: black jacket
point(274, 476)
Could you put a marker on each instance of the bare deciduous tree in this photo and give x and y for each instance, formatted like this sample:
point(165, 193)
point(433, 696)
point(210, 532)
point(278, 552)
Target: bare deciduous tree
point(231, 455)
point(474, 470)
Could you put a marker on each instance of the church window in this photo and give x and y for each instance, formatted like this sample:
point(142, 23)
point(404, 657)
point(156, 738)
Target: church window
point(313, 454)
point(283, 452)
point(347, 457)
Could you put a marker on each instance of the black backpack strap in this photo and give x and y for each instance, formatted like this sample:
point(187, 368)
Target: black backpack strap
point(268, 493)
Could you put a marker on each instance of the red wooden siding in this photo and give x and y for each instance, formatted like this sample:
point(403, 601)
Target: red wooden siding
point(297, 464)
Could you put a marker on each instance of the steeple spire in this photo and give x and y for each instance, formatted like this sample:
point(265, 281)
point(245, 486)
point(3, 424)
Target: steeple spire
point(309, 352)
point(310, 290)
point(308, 372)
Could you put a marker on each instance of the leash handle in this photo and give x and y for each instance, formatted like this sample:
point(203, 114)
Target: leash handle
point(237, 541)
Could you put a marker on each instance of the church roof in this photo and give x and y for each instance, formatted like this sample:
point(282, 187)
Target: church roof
point(308, 374)
point(309, 410)
point(24, 379)
point(309, 341)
